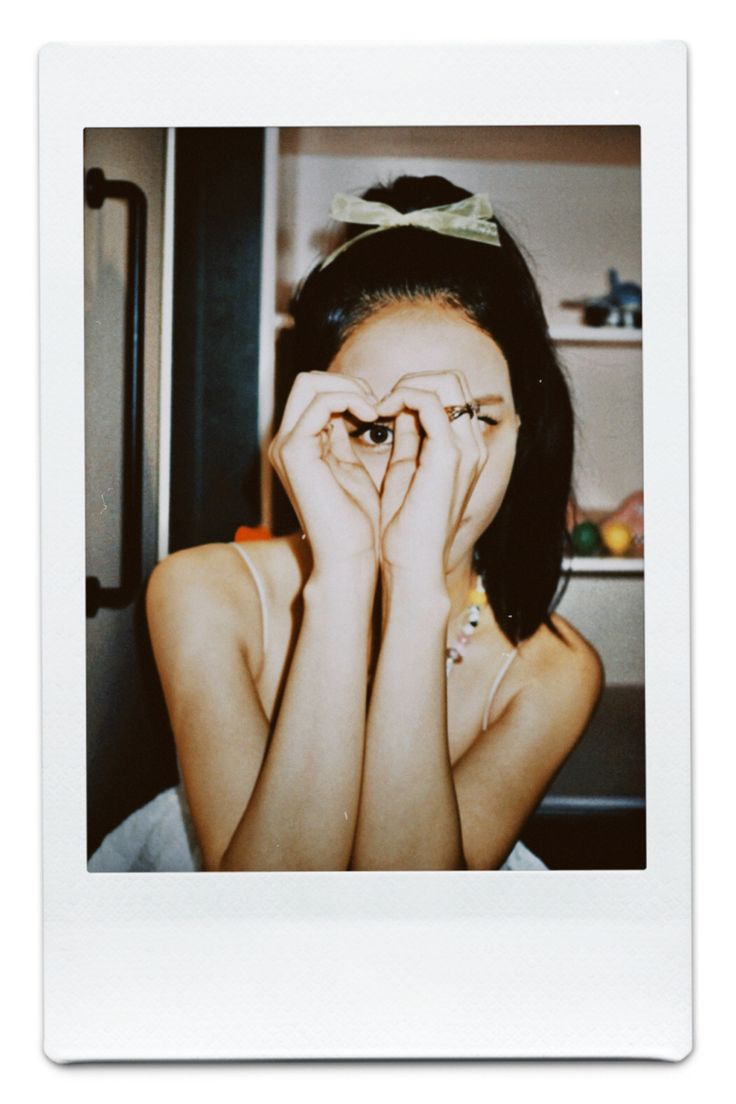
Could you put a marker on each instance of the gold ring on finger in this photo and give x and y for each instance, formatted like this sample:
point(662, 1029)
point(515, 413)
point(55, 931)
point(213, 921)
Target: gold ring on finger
point(453, 412)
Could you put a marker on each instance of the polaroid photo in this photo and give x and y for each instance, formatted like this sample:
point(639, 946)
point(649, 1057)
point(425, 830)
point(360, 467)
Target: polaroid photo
point(365, 685)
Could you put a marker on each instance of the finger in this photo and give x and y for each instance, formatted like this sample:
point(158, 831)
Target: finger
point(446, 385)
point(362, 383)
point(348, 452)
point(450, 385)
point(472, 419)
point(469, 434)
point(452, 389)
point(354, 479)
point(306, 443)
point(283, 475)
point(409, 378)
point(402, 464)
point(481, 450)
point(341, 445)
point(315, 418)
point(309, 384)
point(406, 442)
point(432, 416)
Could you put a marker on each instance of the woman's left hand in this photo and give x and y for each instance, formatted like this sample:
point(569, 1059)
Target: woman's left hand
point(433, 469)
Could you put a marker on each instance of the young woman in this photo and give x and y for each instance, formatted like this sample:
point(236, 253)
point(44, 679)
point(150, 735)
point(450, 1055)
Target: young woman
point(388, 689)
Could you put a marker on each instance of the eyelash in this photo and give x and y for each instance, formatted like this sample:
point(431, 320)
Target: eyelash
point(364, 426)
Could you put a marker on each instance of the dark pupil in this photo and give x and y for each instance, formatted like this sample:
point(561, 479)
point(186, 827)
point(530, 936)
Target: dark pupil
point(378, 434)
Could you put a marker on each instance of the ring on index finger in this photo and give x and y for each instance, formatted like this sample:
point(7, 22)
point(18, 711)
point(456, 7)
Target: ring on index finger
point(469, 408)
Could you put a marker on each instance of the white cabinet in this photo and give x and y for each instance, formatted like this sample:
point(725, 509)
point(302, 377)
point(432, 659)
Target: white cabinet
point(604, 369)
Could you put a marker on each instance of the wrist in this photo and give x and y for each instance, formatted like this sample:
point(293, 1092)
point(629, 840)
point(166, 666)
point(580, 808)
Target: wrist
point(348, 584)
point(428, 584)
point(411, 598)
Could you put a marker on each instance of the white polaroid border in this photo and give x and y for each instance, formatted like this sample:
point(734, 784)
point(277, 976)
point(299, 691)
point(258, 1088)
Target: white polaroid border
point(359, 965)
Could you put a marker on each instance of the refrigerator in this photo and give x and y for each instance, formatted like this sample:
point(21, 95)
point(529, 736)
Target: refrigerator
point(179, 245)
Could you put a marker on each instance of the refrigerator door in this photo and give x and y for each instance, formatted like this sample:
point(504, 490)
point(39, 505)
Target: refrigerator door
point(129, 751)
point(218, 250)
point(186, 470)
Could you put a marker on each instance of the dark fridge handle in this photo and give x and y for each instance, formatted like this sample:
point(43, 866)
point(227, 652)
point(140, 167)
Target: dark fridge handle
point(96, 190)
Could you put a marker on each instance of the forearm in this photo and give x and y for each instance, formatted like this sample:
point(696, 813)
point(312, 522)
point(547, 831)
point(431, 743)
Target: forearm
point(408, 817)
point(303, 810)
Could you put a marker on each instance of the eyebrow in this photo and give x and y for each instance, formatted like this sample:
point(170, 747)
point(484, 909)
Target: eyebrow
point(489, 399)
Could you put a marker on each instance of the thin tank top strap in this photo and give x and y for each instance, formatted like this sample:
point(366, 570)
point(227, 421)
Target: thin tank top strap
point(507, 660)
point(261, 595)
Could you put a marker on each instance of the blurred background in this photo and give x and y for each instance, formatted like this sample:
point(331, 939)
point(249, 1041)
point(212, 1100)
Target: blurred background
point(194, 242)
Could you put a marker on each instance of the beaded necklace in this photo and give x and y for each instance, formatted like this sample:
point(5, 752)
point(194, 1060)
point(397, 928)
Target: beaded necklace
point(478, 600)
point(454, 654)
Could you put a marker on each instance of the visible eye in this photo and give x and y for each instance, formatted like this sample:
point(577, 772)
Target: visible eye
point(488, 419)
point(379, 434)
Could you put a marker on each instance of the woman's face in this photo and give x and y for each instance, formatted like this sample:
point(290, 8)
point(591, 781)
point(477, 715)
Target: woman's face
point(429, 338)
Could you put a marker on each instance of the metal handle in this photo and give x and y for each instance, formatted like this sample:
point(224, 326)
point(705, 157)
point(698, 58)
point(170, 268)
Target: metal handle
point(96, 190)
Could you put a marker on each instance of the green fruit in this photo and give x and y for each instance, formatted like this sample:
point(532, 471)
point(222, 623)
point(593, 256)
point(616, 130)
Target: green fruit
point(586, 538)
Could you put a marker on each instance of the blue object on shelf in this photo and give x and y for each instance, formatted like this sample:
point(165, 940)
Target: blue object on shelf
point(621, 307)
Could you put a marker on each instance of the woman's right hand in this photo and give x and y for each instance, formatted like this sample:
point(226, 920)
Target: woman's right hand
point(334, 497)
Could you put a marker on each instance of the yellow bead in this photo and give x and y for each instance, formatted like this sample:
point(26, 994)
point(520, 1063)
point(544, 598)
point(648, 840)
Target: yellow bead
point(478, 598)
point(616, 537)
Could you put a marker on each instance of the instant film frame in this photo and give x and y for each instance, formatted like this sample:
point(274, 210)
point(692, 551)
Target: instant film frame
point(216, 357)
point(462, 964)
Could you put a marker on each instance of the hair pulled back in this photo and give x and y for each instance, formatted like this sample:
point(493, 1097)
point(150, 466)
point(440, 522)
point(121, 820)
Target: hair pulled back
point(520, 553)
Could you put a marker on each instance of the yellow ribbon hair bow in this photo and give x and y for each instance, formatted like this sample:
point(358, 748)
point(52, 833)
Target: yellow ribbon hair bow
point(468, 218)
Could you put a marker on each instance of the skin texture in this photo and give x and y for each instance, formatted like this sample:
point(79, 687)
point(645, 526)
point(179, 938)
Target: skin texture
point(457, 361)
point(344, 746)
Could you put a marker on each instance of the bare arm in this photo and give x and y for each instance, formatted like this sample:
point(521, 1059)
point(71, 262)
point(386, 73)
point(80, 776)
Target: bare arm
point(198, 632)
point(416, 811)
point(278, 796)
point(502, 777)
point(408, 813)
point(303, 810)
point(409, 817)
point(285, 802)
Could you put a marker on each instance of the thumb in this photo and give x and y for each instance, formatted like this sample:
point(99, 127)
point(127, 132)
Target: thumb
point(354, 480)
point(406, 437)
point(402, 465)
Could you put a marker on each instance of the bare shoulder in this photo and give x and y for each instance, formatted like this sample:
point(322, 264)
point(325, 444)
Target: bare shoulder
point(556, 684)
point(282, 564)
point(215, 572)
point(199, 579)
point(211, 585)
point(550, 694)
point(565, 674)
point(571, 655)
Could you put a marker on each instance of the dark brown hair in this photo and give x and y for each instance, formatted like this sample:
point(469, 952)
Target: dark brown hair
point(520, 553)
